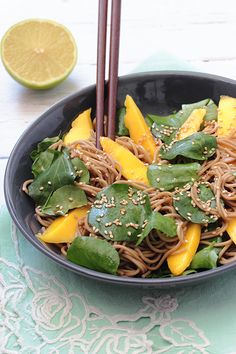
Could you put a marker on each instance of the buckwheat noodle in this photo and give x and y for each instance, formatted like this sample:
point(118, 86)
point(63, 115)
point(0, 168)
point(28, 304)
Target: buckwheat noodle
point(149, 256)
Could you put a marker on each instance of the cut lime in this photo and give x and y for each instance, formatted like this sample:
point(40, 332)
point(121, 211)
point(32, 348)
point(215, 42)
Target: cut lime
point(38, 53)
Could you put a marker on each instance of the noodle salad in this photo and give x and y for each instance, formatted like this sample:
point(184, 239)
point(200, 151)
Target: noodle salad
point(159, 201)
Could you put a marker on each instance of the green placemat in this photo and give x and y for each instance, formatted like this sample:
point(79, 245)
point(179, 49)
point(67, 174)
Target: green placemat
point(45, 308)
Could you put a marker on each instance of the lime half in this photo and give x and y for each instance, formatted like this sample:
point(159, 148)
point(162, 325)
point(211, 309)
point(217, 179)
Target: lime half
point(38, 53)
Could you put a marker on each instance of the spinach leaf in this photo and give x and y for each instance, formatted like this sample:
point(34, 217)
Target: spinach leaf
point(169, 120)
point(206, 258)
point(211, 111)
point(198, 146)
point(60, 173)
point(184, 207)
point(166, 128)
point(120, 212)
point(165, 133)
point(163, 128)
point(43, 145)
point(188, 108)
point(161, 273)
point(123, 213)
point(168, 177)
point(177, 119)
point(189, 271)
point(63, 199)
point(43, 161)
point(160, 223)
point(121, 128)
point(94, 254)
point(82, 173)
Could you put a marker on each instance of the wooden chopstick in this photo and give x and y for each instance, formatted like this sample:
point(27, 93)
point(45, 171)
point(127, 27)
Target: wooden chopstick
point(113, 68)
point(101, 62)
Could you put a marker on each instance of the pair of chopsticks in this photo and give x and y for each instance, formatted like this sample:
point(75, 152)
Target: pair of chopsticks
point(113, 68)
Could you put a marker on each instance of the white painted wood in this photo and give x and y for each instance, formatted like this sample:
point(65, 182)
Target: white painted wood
point(200, 32)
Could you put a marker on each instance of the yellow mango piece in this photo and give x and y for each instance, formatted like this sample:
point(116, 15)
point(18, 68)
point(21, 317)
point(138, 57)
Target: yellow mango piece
point(64, 228)
point(138, 129)
point(82, 128)
point(132, 167)
point(226, 115)
point(231, 229)
point(177, 263)
point(192, 124)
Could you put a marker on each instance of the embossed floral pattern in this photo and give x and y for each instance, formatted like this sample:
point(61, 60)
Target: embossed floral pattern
point(38, 314)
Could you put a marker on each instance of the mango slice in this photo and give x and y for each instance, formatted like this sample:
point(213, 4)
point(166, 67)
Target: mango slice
point(192, 124)
point(132, 167)
point(138, 129)
point(226, 115)
point(177, 263)
point(231, 229)
point(64, 228)
point(82, 128)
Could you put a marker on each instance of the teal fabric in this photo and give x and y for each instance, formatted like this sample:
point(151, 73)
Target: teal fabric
point(45, 308)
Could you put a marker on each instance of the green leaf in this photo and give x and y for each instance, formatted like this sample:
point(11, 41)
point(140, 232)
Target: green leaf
point(123, 213)
point(120, 212)
point(43, 145)
point(161, 273)
point(121, 129)
point(184, 207)
point(166, 127)
point(82, 173)
point(206, 258)
point(187, 109)
point(165, 133)
point(163, 128)
point(167, 177)
point(198, 146)
point(189, 271)
point(211, 111)
point(160, 223)
point(60, 173)
point(63, 199)
point(171, 120)
point(177, 119)
point(94, 254)
point(43, 161)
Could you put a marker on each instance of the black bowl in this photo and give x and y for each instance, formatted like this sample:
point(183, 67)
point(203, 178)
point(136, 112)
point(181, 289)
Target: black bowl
point(155, 92)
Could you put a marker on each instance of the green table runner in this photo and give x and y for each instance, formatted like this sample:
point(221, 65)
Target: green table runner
point(45, 308)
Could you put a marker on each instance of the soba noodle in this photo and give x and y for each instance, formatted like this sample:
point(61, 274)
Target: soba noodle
point(150, 255)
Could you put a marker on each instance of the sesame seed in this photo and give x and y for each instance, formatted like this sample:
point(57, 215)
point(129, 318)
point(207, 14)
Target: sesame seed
point(71, 199)
point(49, 182)
point(41, 188)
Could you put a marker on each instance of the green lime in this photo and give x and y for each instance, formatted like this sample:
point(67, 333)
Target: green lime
point(38, 53)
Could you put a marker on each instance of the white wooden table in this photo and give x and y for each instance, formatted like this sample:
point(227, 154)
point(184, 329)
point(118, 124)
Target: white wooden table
point(201, 32)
